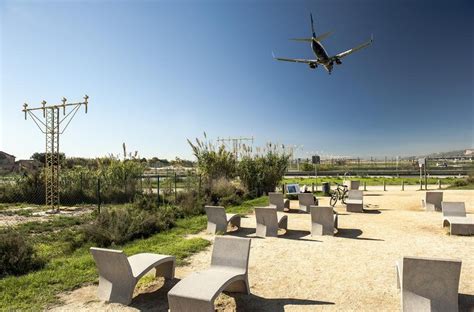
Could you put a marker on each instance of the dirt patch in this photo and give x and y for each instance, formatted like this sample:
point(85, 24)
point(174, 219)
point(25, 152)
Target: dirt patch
point(353, 270)
point(11, 217)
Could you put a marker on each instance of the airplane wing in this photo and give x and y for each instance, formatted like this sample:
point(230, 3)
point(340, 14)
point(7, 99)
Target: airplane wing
point(305, 61)
point(359, 47)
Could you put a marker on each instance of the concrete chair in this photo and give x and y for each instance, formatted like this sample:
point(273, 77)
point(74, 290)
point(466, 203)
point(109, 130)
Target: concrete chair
point(118, 274)
point(268, 221)
point(432, 201)
point(217, 219)
point(306, 200)
point(428, 284)
point(277, 200)
point(454, 215)
point(355, 201)
point(228, 272)
point(351, 185)
point(323, 220)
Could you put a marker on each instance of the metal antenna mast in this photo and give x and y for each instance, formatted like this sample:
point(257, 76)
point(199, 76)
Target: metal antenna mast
point(52, 128)
point(236, 143)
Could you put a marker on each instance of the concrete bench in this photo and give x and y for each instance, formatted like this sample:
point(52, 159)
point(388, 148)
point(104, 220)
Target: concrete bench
point(355, 201)
point(228, 272)
point(306, 200)
point(277, 200)
point(118, 274)
point(269, 221)
point(351, 184)
point(454, 216)
point(432, 201)
point(217, 219)
point(323, 220)
point(428, 284)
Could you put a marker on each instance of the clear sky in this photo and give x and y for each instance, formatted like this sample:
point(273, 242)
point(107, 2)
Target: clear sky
point(158, 72)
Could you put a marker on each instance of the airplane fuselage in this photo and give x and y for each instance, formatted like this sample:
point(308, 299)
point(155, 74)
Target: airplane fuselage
point(321, 55)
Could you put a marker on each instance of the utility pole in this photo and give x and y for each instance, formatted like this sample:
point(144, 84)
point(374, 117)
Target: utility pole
point(236, 143)
point(52, 128)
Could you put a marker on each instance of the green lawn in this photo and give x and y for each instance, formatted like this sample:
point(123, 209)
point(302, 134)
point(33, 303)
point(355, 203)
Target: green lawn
point(368, 180)
point(67, 270)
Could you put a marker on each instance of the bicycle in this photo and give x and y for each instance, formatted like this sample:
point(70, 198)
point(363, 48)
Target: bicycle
point(340, 193)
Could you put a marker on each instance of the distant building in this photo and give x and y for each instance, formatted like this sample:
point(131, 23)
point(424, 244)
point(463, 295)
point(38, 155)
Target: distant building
point(469, 152)
point(28, 165)
point(7, 162)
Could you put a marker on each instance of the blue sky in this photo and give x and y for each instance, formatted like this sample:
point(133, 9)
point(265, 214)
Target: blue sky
point(158, 72)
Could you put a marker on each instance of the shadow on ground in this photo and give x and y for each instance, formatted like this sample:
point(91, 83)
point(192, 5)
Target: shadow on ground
point(289, 234)
point(156, 300)
point(354, 234)
point(466, 303)
point(246, 303)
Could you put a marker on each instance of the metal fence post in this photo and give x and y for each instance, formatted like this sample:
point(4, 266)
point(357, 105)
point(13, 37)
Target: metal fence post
point(439, 183)
point(312, 187)
point(175, 191)
point(384, 186)
point(284, 188)
point(365, 186)
point(158, 190)
point(403, 185)
point(99, 199)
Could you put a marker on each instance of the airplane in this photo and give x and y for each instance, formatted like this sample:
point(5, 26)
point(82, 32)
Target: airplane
point(322, 57)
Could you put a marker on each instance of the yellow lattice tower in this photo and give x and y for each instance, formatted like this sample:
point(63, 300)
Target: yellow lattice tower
point(51, 127)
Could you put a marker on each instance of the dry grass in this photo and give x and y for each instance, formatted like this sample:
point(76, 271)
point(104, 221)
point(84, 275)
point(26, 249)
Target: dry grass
point(352, 271)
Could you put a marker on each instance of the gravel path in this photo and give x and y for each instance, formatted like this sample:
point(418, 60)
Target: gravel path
point(352, 271)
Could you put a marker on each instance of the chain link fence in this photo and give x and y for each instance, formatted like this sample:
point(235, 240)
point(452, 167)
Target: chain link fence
point(88, 189)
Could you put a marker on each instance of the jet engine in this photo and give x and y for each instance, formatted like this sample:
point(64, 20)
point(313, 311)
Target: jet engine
point(313, 65)
point(338, 61)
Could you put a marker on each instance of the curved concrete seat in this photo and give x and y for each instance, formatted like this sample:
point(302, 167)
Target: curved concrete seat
point(306, 200)
point(228, 272)
point(118, 274)
point(428, 284)
point(355, 201)
point(269, 221)
point(432, 201)
point(323, 220)
point(279, 201)
point(217, 219)
point(454, 216)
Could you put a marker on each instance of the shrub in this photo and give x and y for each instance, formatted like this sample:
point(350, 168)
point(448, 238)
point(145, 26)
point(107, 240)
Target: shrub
point(262, 173)
point(212, 162)
point(460, 182)
point(190, 203)
point(120, 225)
point(17, 256)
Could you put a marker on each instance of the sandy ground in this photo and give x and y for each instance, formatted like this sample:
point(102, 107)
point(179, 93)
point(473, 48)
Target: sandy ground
point(40, 215)
point(352, 271)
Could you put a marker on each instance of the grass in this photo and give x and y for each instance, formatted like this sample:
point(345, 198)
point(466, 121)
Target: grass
point(66, 271)
point(369, 180)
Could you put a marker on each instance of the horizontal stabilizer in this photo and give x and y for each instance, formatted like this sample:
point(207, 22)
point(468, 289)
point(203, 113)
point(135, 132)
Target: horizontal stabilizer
point(302, 39)
point(323, 36)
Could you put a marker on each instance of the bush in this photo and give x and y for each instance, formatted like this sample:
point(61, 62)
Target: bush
point(262, 173)
point(460, 182)
point(17, 256)
point(190, 203)
point(120, 225)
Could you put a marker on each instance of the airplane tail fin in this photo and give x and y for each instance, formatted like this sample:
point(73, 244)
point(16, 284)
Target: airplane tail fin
point(312, 25)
